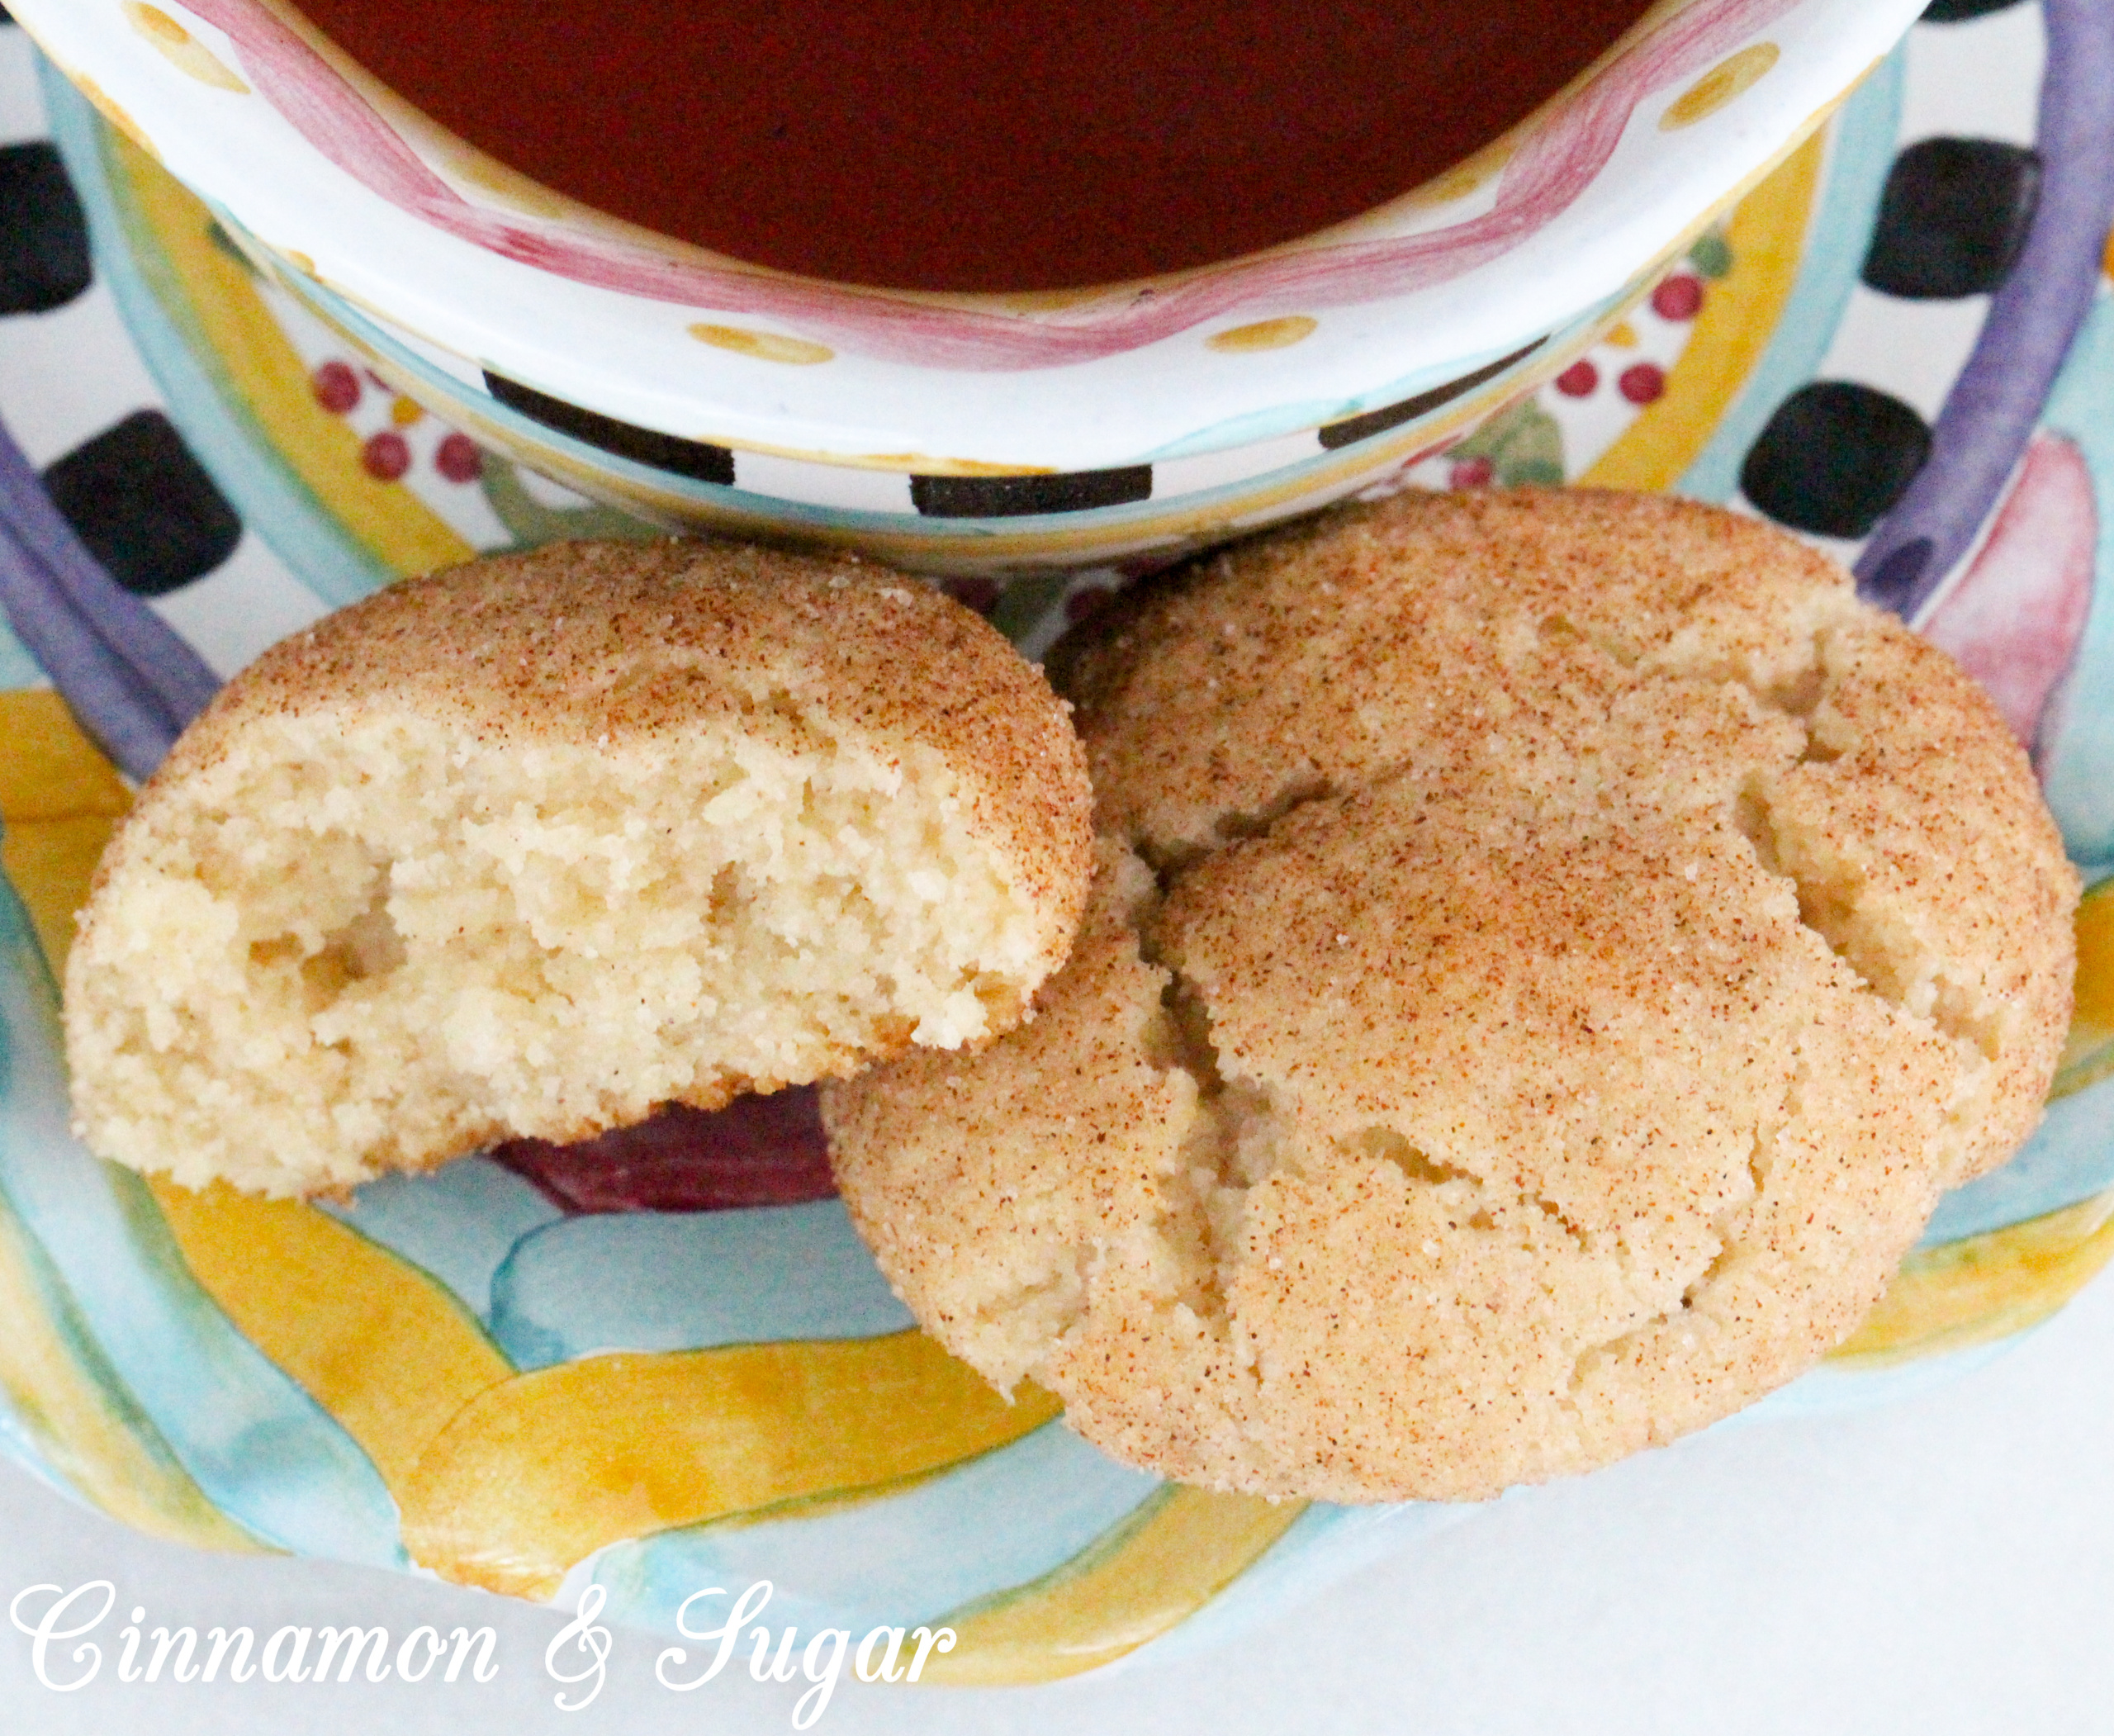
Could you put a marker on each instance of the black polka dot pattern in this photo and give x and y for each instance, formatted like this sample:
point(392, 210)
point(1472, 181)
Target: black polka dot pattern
point(1953, 218)
point(1834, 458)
point(43, 239)
point(1011, 497)
point(1353, 428)
point(144, 505)
point(697, 459)
point(1958, 12)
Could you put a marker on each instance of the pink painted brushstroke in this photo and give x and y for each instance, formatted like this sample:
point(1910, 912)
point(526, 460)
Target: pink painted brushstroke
point(1542, 181)
point(2013, 619)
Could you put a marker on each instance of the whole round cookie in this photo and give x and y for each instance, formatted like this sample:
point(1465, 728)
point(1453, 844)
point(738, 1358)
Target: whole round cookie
point(533, 846)
point(1548, 953)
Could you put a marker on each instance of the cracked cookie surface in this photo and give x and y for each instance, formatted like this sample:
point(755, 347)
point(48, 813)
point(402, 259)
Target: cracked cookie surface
point(1547, 954)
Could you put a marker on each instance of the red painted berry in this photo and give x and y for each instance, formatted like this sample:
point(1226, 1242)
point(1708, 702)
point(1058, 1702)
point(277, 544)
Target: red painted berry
point(456, 458)
point(337, 387)
point(1643, 383)
point(1471, 473)
point(385, 456)
point(1578, 380)
point(1679, 297)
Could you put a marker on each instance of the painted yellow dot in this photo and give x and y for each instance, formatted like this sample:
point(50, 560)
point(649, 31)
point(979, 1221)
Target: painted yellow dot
point(1463, 178)
point(516, 192)
point(1720, 85)
point(1050, 301)
point(1263, 335)
point(404, 413)
point(763, 346)
point(1622, 334)
point(932, 464)
point(155, 25)
point(181, 48)
point(2109, 261)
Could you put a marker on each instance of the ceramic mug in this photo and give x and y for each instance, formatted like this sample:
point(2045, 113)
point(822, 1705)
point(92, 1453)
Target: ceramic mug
point(963, 433)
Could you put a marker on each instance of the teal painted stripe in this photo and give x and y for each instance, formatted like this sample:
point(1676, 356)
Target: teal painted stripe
point(458, 1223)
point(18, 1439)
point(261, 1449)
point(20, 1436)
point(221, 432)
point(2070, 1157)
point(18, 667)
point(2080, 747)
point(689, 1281)
point(1860, 153)
point(1002, 1520)
point(1251, 429)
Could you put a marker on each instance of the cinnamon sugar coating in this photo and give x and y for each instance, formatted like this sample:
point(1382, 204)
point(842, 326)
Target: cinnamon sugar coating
point(1548, 953)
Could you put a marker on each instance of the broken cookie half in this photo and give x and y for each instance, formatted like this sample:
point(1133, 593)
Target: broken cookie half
point(1547, 955)
point(530, 847)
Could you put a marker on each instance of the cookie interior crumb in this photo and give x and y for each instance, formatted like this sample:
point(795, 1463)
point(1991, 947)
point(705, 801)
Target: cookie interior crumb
point(358, 932)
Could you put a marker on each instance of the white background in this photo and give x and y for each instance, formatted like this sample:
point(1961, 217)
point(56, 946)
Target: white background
point(1943, 1564)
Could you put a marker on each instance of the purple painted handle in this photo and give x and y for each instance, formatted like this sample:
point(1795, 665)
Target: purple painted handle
point(1995, 404)
point(132, 682)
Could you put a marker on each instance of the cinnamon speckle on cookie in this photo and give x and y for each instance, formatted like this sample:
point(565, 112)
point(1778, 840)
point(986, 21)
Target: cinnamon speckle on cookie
point(1548, 952)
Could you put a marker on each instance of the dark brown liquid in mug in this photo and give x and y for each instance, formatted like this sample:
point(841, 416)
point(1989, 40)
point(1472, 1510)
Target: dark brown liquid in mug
point(977, 144)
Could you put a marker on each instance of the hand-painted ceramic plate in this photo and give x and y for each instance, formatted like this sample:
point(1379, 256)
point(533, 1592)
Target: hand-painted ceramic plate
point(676, 1368)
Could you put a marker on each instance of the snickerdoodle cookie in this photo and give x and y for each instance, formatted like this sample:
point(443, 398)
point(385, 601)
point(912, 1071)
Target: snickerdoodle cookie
point(1547, 954)
point(531, 846)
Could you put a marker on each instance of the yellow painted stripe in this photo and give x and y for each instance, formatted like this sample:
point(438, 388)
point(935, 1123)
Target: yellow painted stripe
point(2088, 1052)
point(83, 1424)
point(538, 1473)
point(1767, 234)
point(2095, 932)
point(59, 799)
point(1733, 77)
point(386, 1350)
point(1984, 1287)
point(181, 48)
point(51, 864)
point(51, 770)
point(268, 375)
point(1174, 1556)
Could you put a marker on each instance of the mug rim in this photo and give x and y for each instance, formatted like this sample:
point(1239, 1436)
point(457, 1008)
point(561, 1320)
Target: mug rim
point(1381, 308)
